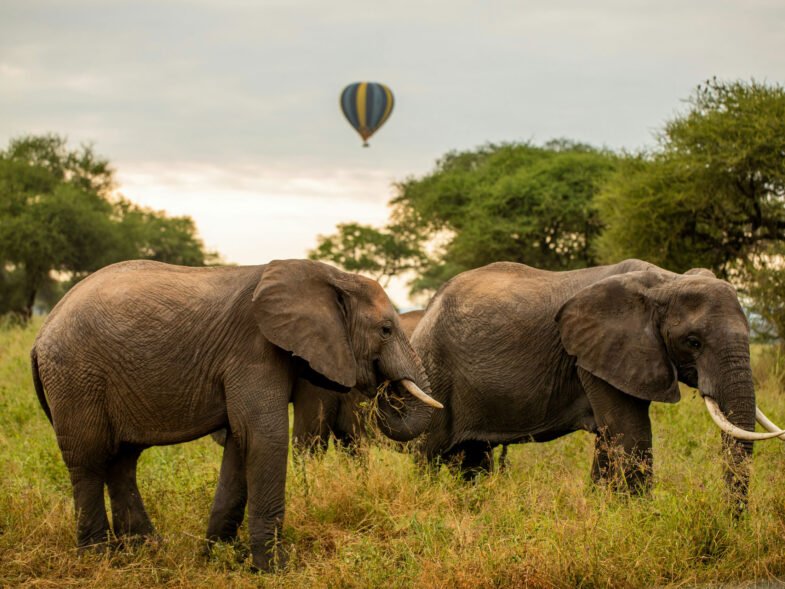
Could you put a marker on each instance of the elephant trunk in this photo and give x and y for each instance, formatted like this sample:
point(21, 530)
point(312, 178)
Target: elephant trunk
point(736, 399)
point(402, 416)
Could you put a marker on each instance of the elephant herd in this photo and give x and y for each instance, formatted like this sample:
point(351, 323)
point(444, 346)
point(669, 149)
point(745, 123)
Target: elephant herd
point(142, 353)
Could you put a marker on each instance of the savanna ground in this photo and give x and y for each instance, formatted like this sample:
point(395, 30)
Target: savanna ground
point(378, 521)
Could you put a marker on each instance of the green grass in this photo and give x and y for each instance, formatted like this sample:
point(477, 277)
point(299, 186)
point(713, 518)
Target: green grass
point(377, 521)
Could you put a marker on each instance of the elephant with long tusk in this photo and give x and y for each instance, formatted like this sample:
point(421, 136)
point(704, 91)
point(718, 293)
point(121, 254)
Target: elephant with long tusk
point(518, 354)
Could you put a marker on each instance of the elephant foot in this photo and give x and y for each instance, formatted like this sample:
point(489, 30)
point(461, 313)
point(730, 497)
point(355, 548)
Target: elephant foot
point(213, 545)
point(96, 545)
point(623, 470)
point(266, 561)
point(470, 460)
point(637, 483)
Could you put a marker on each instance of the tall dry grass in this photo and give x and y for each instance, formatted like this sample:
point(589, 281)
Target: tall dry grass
point(379, 521)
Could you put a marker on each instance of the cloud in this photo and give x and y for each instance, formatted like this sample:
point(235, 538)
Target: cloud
point(258, 214)
point(228, 110)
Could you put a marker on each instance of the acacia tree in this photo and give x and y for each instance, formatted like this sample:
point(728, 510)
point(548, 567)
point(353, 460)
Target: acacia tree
point(380, 253)
point(58, 214)
point(515, 202)
point(153, 235)
point(54, 215)
point(712, 193)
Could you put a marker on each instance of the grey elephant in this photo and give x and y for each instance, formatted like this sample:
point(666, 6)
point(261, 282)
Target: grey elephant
point(320, 413)
point(143, 353)
point(519, 354)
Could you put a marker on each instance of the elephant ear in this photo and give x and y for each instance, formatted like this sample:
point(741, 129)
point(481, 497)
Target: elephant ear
point(299, 306)
point(611, 328)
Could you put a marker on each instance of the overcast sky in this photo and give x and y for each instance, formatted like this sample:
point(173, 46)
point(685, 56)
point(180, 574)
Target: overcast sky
point(228, 111)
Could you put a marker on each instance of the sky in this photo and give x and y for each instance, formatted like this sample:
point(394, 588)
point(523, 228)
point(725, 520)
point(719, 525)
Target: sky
point(227, 111)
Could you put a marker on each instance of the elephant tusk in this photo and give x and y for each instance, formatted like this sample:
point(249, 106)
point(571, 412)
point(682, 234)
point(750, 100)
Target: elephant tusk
point(766, 422)
point(732, 430)
point(417, 392)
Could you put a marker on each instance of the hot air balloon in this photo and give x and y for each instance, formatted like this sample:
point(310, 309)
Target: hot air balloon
point(366, 105)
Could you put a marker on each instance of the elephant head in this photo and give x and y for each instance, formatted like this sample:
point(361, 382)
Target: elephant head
point(346, 334)
point(644, 331)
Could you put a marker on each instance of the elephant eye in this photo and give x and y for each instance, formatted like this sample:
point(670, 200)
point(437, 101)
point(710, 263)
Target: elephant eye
point(386, 331)
point(694, 342)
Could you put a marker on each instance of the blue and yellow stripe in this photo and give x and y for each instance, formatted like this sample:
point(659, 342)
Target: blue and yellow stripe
point(367, 105)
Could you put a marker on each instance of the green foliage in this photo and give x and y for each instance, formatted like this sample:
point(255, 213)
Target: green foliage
point(513, 202)
point(380, 521)
point(58, 215)
point(764, 278)
point(153, 235)
point(380, 253)
point(54, 212)
point(712, 194)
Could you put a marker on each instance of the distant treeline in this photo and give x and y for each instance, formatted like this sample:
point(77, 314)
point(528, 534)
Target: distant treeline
point(710, 194)
point(60, 219)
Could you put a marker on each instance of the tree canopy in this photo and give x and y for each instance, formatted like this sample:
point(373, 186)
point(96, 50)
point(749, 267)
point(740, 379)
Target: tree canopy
point(516, 202)
point(712, 193)
point(58, 214)
point(380, 253)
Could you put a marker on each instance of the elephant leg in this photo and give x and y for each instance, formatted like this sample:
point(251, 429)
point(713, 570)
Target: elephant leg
point(472, 458)
point(503, 458)
point(314, 412)
point(129, 517)
point(266, 472)
point(623, 454)
point(84, 440)
point(231, 496)
point(348, 425)
point(92, 525)
point(258, 408)
point(346, 441)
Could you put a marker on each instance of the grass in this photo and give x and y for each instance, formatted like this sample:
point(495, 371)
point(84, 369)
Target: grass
point(378, 521)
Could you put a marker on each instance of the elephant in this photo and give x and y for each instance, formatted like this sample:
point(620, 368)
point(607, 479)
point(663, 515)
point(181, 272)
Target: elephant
point(519, 354)
point(143, 353)
point(320, 413)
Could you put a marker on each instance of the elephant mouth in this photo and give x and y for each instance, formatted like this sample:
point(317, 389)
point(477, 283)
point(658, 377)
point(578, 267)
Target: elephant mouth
point(688, 374)
point(726, 426)
point(402, 387)
point(396, 391)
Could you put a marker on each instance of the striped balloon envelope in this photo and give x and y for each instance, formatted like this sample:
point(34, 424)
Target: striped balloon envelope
point(366, 105)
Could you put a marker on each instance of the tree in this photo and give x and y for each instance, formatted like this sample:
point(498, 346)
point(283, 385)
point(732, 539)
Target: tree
point(53, 214)
point(152, 235)
point(712, 193)
point(513, 202)
point(58, 214)
point(380, 253)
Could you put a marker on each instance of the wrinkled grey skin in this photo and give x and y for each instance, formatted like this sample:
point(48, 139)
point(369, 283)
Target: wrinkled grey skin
point(320, 413)
point(142, 354)
point(518, 354)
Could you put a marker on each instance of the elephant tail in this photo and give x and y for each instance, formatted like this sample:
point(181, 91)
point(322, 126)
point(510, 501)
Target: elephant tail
point(39, 386)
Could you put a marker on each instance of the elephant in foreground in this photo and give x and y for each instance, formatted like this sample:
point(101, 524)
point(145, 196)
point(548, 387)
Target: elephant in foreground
point(320, 413)
point(143, 353)
point(519, 354)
